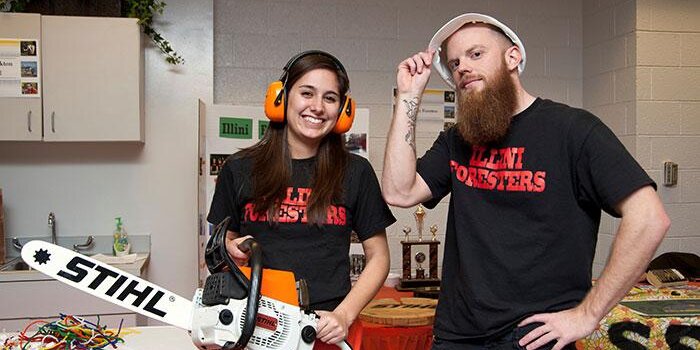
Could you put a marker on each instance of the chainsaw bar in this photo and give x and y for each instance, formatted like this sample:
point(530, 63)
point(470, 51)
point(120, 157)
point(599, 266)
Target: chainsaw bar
point(108, 283)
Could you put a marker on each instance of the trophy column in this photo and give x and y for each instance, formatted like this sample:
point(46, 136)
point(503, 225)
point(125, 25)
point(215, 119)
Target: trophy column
point(406, 262)
point(406, 255)
point(418, 280)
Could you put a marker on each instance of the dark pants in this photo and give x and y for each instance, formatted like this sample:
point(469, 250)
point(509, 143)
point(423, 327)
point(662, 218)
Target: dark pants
point(507, 341)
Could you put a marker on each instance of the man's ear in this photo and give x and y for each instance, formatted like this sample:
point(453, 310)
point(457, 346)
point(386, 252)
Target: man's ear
point(513, 56)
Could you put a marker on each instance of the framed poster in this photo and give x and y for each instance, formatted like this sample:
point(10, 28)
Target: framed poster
point(436, 104)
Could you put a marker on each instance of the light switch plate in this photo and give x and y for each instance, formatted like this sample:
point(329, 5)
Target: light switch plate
point(670, 173)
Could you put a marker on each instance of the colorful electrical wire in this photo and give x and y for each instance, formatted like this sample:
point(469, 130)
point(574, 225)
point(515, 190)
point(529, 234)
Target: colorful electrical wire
point(68, 333)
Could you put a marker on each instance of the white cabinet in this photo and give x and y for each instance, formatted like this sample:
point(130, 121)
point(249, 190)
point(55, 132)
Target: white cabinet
point(20, 117)
point(25, 301)
point(93, 74)
point(91, 77)
point(30, 295)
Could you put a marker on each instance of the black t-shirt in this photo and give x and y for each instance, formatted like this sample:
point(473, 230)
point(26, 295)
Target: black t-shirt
point(524, 215)
point(317, 254)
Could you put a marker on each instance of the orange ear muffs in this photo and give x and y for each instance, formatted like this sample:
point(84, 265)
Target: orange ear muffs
point(345, 117)
point(274, 102)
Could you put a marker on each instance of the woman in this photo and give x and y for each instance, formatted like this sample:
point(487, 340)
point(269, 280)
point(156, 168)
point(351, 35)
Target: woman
point(300, 194)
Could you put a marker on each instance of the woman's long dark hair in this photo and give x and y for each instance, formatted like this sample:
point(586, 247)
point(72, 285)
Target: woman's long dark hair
point(272, 162)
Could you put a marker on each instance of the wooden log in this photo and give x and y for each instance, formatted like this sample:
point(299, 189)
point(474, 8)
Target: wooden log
point(407, 312)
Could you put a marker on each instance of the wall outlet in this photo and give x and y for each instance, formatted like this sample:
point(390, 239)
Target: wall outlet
point(670, 173)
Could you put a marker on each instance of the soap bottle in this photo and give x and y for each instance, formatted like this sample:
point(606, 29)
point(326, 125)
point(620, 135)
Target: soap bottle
point(121, 245)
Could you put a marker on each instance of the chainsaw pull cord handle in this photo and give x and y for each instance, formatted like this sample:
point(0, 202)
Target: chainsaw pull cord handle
point(252, 248)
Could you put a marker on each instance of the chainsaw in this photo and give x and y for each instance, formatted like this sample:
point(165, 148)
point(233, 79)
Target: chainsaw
point(238, 308)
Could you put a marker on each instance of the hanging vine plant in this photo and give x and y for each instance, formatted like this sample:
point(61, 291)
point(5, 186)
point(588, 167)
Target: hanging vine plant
point(143, 10)
point(13, 5)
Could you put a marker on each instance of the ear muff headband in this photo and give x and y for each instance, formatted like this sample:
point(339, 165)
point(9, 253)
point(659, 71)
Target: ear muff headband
point(276, 103)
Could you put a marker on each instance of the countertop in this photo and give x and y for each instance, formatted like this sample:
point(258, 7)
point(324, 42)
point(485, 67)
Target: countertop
point(159, 337)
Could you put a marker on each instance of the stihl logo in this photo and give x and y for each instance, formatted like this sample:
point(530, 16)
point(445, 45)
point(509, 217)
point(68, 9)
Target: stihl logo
point(119, 280)
point(266, 322)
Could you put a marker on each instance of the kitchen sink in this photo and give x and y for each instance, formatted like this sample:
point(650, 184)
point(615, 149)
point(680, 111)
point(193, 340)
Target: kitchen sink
point(16, 264)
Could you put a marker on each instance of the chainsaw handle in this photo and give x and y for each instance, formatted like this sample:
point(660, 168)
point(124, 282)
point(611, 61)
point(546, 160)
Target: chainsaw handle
point(218, 258)
point(251, 247)
point(215, 254)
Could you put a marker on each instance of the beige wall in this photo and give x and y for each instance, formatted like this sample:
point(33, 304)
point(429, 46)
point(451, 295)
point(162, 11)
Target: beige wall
point(641, 76)
point(153, 186)
point(608, 84)
point(668, 109)
point(254, 39)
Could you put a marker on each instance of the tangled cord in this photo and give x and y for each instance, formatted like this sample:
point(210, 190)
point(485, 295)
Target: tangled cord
point(68, 333)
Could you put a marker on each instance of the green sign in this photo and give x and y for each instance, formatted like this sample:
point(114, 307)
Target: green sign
point(236, 128)
point(262, 126)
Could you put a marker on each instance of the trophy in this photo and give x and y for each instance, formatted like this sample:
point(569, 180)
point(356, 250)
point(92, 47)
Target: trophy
point(419, 215)
point(406, 231)
point(418, 280)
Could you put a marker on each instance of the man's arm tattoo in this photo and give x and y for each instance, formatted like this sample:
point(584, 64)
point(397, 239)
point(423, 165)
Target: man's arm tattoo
point(412, 114)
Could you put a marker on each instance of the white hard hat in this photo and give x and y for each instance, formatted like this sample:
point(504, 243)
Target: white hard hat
point(455, 24)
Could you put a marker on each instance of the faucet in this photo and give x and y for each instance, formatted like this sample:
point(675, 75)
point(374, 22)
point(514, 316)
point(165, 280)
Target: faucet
point(52, 225)
point(16, 244)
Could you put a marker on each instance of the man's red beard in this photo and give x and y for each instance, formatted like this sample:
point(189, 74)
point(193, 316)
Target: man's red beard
point(483, 117)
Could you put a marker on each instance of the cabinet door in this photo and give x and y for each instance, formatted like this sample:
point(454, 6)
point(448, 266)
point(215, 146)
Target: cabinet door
point(48, 298)
point(20, 117)
point(93, 79)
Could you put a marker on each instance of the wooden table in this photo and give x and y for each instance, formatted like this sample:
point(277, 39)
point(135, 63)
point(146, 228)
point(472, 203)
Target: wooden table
point(372, 336)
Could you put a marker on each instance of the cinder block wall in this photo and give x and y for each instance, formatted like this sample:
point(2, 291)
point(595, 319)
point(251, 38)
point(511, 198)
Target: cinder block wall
point(668, 109)
point(254, 39)
point(609, 84)
point(640, 76)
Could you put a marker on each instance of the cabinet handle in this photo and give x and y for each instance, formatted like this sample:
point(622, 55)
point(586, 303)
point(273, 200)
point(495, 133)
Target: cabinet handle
point(53, 126)
point(29, 121)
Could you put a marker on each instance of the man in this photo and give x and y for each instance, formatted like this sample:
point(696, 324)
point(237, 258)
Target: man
point(528, 178)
